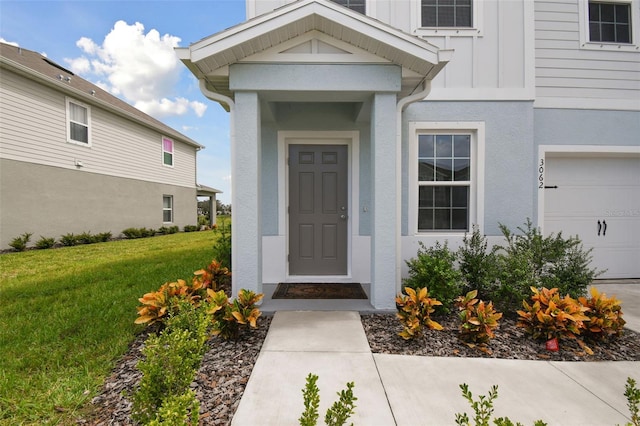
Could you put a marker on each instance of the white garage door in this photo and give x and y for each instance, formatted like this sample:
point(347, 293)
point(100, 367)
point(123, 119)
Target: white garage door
point(598, 199)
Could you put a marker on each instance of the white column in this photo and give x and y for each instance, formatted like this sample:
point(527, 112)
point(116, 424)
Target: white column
point(384, 214)
point(246, 230)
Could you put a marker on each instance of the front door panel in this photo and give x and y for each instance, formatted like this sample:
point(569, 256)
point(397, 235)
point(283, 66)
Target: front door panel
point(318, 209)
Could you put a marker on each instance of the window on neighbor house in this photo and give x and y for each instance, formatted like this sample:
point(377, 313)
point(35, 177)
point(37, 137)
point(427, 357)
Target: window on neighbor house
point(609, 22)
point(357, 5)
point(447, 13)
point(444, 182)
point(167, 208)
point(78, 123)
point(167, 152)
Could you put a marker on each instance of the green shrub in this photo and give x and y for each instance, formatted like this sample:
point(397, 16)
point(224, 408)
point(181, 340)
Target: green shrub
point(170, 362)
point(166, 230)
point(146, 233)
point(311, 396)
point(102, 237)
point(190, 228)
point(85, 238)
point(45, 243)
point(516, 279)
point(551, 261)
point(222, 248)
point(483, 409)
point(633, 401)
point(434, 269)
point(336, 415)
point(132, 233)
point(203, 220)
point(479, 266)
point(20, 243)
point(414, 312)
point(68, 240)
point(178, 410)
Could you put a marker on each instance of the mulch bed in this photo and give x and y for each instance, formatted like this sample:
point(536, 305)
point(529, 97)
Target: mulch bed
point(227, 365)
point(510, 343)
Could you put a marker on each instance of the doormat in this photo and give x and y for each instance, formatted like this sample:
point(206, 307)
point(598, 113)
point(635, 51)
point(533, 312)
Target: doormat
point(319, 291)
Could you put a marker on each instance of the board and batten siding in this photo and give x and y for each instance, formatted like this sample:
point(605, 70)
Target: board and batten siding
point(33, 128)
point(494, 61)
point(570, 75)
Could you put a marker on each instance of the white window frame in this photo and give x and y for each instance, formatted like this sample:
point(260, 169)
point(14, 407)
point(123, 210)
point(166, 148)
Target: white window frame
point(68, 102)
point(477, 22)
point(366, 7)
point(169, 209)
point(476, 197)
point(586, 43)
point(173, 151)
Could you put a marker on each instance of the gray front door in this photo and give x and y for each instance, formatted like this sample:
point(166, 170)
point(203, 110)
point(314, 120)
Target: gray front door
point(318, 212)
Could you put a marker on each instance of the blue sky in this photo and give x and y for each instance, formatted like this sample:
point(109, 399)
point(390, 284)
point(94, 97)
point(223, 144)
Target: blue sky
point(126, 48)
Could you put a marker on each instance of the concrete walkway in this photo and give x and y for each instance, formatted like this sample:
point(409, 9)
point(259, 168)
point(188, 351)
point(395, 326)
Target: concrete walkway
point(412, 391)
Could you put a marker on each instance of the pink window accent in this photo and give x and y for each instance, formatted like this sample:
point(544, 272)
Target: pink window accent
point(167, 145)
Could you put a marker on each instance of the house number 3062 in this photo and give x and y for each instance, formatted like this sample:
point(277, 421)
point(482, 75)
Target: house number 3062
point(541, 174)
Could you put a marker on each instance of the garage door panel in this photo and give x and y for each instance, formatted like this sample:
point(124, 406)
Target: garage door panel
point(591, 190)
point(593, 201)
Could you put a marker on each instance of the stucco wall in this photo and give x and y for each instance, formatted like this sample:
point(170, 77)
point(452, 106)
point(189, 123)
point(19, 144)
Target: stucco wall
point(509, 166)
point(586, 127)
point(51, 201)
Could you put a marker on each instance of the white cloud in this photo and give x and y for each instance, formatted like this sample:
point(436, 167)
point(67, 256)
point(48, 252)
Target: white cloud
point(140, 67)
point(12, 43)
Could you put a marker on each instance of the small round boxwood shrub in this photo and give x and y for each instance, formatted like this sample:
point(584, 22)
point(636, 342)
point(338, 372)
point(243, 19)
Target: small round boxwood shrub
point(433, 268)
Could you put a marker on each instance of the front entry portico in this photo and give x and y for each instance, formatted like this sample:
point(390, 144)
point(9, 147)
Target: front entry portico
point(316, 69)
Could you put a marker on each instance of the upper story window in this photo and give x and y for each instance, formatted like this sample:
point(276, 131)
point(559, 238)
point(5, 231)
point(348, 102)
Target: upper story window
point(609, 22)
point(78, 123)
point(456, 18)
point(609, 25)
point(167, 152)
point(357, 5)
point(447, 13)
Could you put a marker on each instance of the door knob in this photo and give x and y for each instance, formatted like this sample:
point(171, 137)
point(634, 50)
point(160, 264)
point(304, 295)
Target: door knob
point(343, 216)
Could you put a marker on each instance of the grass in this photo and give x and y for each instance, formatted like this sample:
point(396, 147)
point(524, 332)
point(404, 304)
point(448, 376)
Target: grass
point(66, 316)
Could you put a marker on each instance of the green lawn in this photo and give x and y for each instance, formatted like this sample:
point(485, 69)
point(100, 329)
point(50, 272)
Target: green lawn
point(67, 314)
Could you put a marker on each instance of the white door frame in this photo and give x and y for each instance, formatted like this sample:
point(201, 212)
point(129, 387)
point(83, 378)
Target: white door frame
point(543, 150)
point(352, 140)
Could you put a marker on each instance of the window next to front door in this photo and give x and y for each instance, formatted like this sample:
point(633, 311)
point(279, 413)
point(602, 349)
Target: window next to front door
point(444, 182)
point(446, 168)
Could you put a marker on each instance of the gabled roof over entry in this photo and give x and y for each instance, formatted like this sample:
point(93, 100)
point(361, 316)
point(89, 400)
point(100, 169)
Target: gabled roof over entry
point(209, 59)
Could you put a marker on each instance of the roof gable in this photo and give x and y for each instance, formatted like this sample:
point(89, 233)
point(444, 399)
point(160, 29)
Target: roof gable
point(317, 47)
point(259, 38)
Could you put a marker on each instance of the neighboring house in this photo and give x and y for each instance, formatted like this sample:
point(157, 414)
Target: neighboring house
point(74, 158)
point(359, 131)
